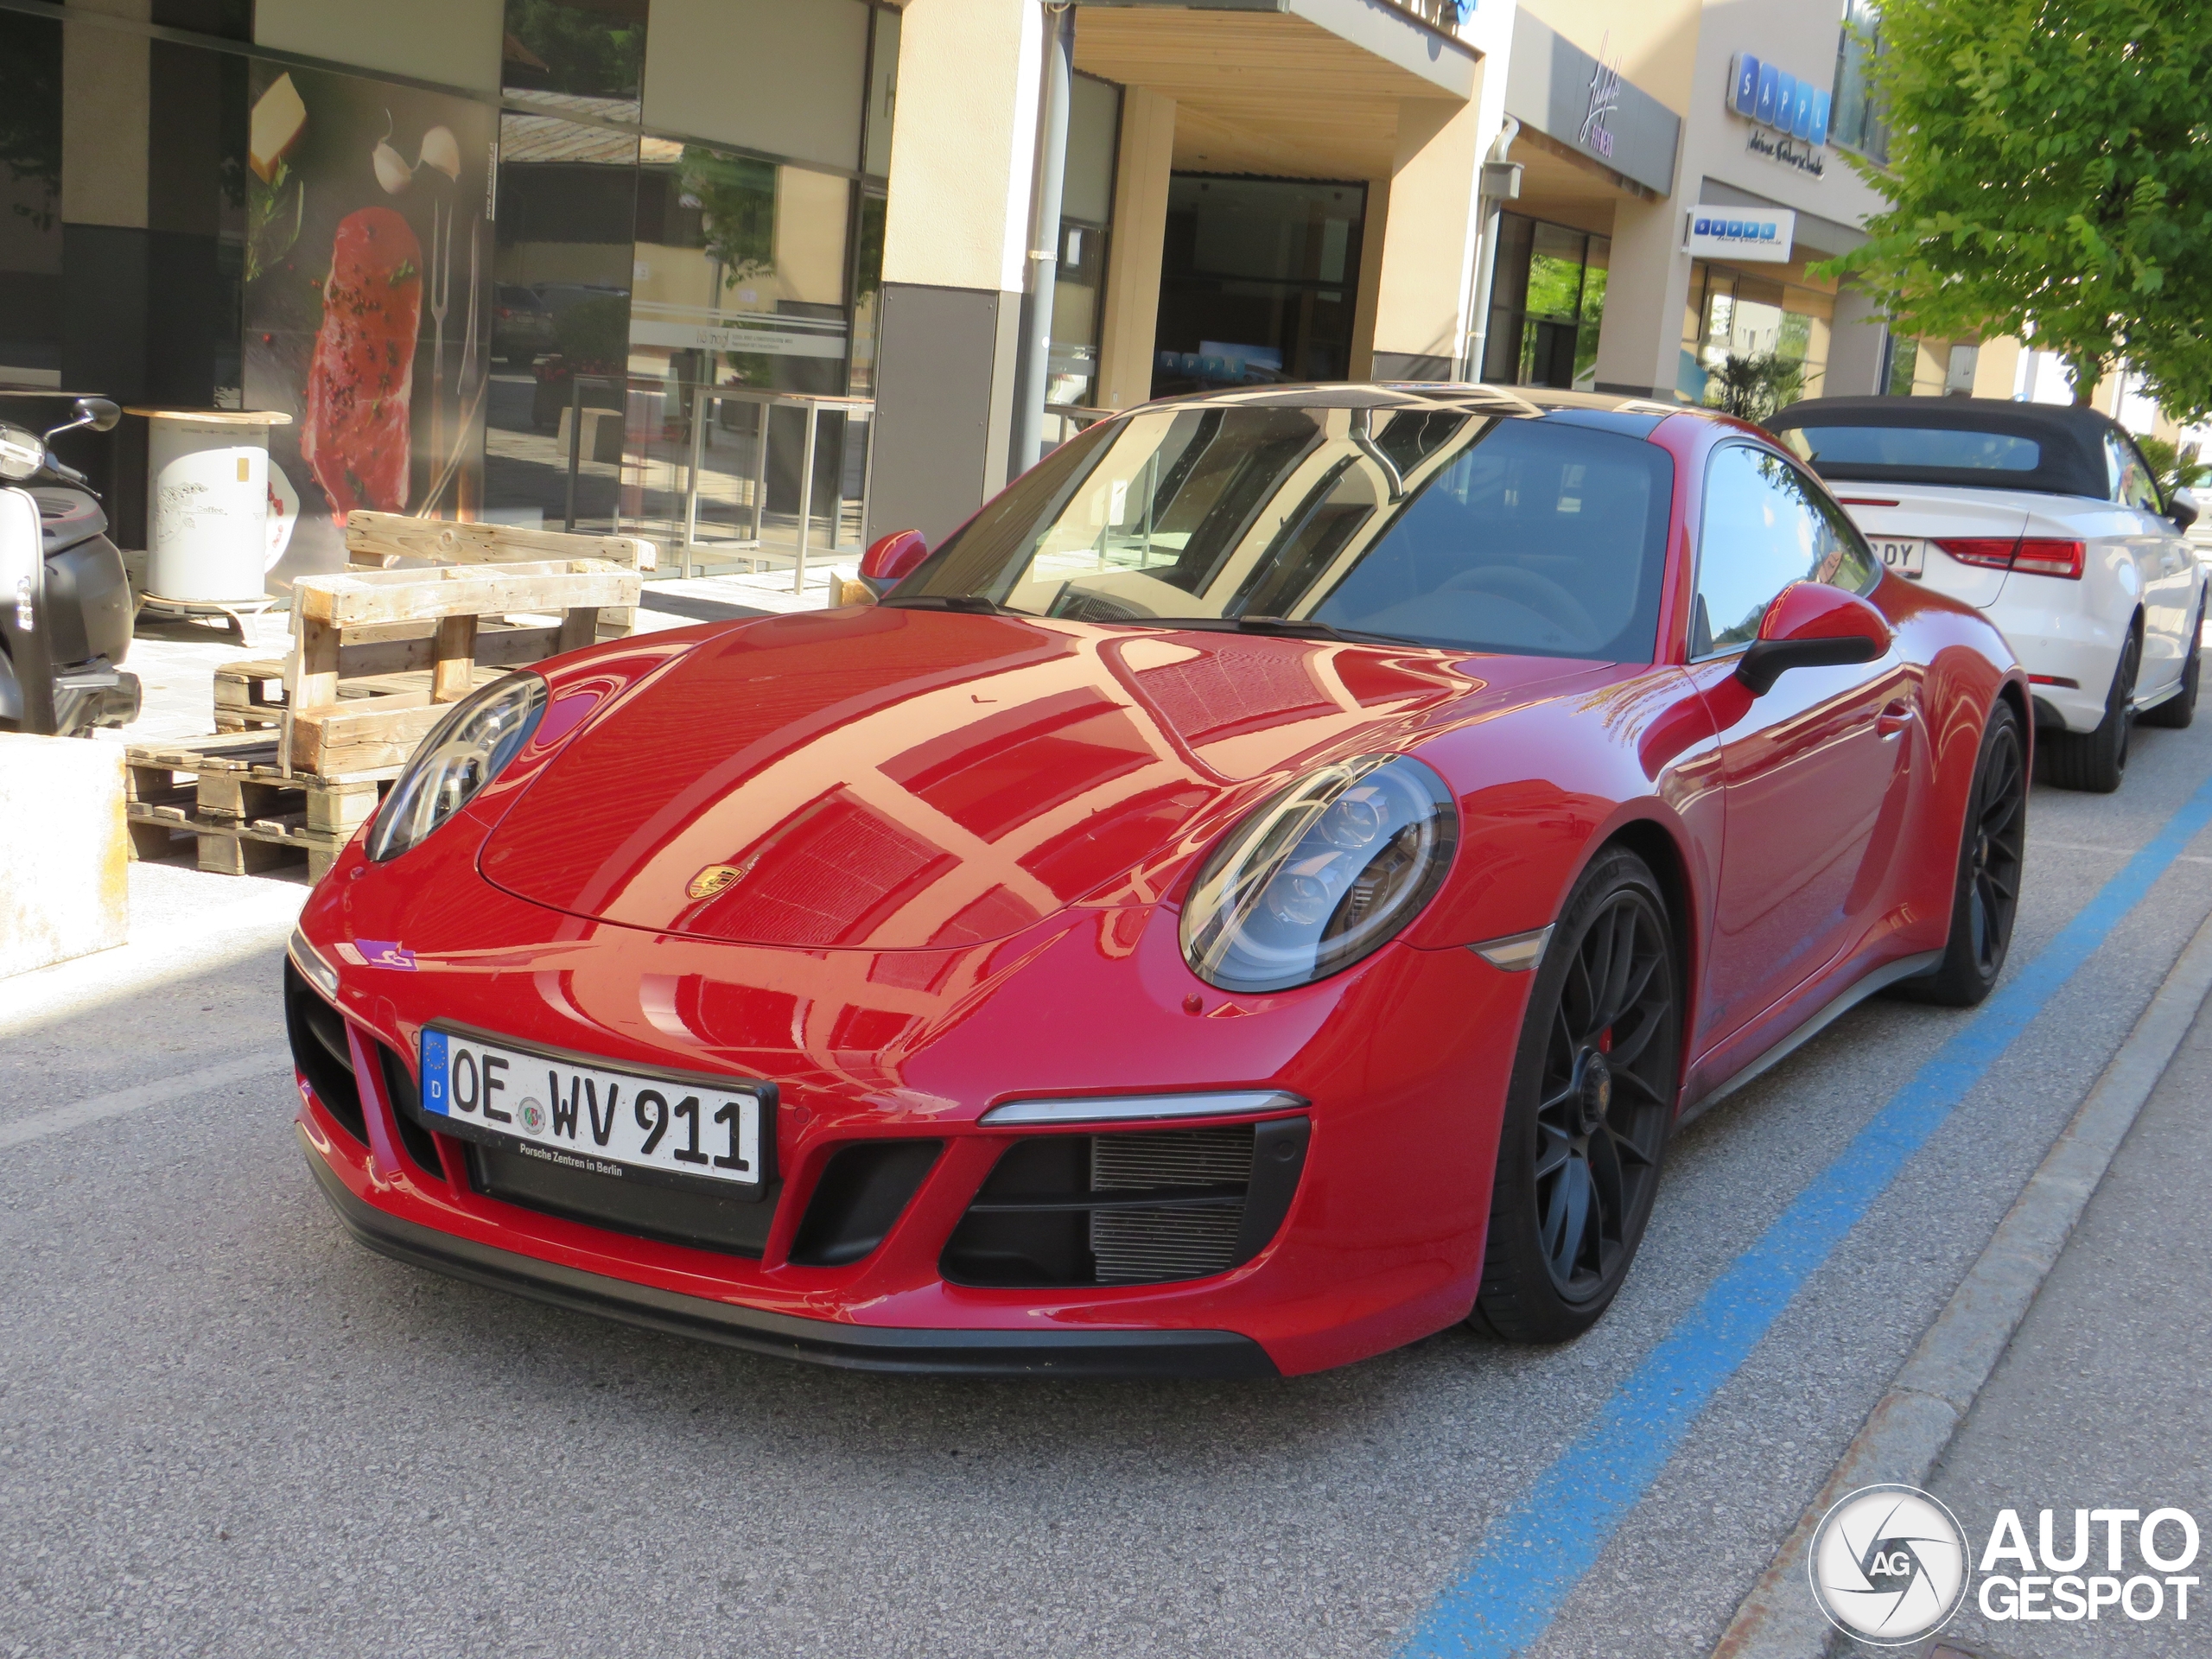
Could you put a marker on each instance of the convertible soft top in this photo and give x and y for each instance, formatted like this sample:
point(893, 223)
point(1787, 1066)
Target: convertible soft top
point(2069, 460)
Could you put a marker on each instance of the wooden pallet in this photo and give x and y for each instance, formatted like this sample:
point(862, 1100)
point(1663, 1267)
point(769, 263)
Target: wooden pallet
point(228, 796)
point(450, 621)
point(380, 540)
point(250, 694)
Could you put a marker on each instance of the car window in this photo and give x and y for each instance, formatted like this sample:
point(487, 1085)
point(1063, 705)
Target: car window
point(1914, 448)
point(2131, 483)
point(1765, 527)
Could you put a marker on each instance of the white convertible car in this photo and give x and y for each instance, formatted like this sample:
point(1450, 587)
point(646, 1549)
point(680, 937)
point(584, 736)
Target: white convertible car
point(2047, 519)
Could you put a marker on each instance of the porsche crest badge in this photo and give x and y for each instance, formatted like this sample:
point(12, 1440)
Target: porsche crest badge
point(714, 879)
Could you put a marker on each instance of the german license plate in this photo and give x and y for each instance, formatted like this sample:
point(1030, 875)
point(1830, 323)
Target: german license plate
point(1907, 555)
point(632, 1126)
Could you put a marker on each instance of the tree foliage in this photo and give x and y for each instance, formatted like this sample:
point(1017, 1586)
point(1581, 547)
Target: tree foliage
point(2050, 176)
point(1752, 386)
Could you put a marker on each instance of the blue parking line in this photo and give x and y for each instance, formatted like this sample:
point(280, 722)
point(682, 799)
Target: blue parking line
point(1536, 1552)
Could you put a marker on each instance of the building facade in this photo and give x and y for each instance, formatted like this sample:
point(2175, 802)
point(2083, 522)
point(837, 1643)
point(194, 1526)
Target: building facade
point(636, 260)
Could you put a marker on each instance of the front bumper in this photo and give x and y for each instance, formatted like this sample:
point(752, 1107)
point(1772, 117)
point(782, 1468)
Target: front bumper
point(1403, 1061)
point(825, 1342)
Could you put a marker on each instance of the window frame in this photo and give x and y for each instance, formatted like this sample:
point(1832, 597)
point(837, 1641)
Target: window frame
point(1822, 503)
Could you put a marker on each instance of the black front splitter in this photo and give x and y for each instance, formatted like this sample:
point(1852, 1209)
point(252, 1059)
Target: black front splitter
point(822, 1342)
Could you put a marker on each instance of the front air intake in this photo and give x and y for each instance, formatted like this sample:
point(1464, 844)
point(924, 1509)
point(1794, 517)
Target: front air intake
point(1135, 1207)
point(320, 1052)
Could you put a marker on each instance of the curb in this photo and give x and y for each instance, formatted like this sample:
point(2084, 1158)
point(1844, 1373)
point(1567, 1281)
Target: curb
point(1910, 1427)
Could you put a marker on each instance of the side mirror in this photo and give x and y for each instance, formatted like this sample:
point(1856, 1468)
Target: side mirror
point(2182, 508)
point(892, 557)
point(1810, 625)
point(98, 413)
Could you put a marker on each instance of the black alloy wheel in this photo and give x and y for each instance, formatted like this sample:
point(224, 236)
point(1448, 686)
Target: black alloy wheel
point(1992, 847)
point(2097, 760)
point(1588, 1111)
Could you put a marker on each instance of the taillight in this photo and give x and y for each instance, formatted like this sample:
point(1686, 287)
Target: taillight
point(2050, 559)
point(505, 313)
point(1987, 551)
point(2032, 556)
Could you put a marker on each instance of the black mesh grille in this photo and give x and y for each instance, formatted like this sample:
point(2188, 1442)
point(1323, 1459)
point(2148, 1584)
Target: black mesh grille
point(320, 1052)
point(1142, 1206)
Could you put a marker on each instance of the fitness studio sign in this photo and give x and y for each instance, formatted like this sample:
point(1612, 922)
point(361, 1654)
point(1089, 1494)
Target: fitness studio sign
point(1793, 114)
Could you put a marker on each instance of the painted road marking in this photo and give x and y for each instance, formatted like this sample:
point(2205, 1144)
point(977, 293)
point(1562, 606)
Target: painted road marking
point(1535, 1553)
point(55, 1119)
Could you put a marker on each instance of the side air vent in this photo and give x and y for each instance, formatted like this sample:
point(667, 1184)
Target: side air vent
point(1143, 1207)
point(320, 1052)
point(862, 1192)
point(406, 1113)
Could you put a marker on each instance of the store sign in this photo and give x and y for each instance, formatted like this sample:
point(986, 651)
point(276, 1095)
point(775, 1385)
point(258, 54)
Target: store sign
point(1779, 101)
point(1737, 234)
point(1587, 105)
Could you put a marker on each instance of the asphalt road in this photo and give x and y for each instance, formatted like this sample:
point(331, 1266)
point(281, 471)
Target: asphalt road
point(226, 1429)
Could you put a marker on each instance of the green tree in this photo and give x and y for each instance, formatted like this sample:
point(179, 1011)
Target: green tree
point(2050, 176)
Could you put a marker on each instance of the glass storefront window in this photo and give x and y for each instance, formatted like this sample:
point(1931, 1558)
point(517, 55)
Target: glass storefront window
point(1856, 121)
point(1753, 319)
point(1258, 282)
point(1547, 299)
point(592, 49)
point(30, 202)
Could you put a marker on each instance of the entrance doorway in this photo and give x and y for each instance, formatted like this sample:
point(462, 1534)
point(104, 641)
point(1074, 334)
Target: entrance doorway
point(1258, 283)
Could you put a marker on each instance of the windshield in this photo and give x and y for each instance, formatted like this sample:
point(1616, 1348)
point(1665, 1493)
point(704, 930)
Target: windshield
point(1436, 526)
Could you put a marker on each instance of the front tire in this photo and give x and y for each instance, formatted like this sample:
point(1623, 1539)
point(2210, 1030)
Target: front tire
point(1587, 1110)
point(2096, 761)
point(1986, 895)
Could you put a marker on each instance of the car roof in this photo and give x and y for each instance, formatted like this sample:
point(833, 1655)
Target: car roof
point(2073, 460)
point(1636, 416)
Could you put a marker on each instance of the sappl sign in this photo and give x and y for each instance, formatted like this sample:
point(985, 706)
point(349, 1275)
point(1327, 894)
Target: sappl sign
point(1739, 234)
point(1759, 91)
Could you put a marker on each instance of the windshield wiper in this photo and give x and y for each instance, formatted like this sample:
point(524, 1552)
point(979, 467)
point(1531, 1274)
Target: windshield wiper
point(1303, 628)
point(976, 604)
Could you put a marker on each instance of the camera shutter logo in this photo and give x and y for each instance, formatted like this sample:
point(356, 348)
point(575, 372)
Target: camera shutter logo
point(1889, 1565)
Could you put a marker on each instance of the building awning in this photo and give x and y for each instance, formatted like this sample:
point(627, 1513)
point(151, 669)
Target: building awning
point(1299, 88)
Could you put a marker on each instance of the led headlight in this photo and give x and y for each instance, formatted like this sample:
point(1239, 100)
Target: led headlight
point(1323, 874)
point(464, 752)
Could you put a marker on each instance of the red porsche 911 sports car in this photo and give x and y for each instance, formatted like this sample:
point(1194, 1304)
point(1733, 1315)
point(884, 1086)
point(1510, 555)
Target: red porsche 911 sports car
point(1264, 890)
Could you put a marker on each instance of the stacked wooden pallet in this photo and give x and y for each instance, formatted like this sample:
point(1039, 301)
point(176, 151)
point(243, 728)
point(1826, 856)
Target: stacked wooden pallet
point(378, 656)
point(233, 797)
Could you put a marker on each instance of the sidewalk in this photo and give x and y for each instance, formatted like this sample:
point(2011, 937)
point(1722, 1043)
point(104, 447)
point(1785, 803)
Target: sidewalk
point(2102, 1402)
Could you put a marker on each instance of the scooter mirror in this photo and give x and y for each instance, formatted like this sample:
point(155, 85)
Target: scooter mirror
point(21, 452)
point(99, 413)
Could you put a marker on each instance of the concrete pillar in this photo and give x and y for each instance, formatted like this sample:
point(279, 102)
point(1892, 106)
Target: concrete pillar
point(106, 97)
point(1855, 342)
point(65, 886)
point(1997, 368)
point(1372, 230)
point(1640, 338)
point(1425, 273)
point(1130, 327)
point(955, 260)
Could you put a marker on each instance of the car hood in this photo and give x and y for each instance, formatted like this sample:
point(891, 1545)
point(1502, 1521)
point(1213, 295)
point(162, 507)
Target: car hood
point(886, 780)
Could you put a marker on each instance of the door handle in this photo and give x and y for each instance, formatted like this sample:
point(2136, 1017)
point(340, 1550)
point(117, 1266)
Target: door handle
point(1894, 719)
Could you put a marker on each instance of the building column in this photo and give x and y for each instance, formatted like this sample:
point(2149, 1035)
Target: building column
point(1433, 216)
point(1855, 341)
point(955, 260)
point(1640, 337)
point(106, 94)
point(1130, 328)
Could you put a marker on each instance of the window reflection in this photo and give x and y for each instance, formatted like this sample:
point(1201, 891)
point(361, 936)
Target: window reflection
point(581, 48)
point(1548, 299)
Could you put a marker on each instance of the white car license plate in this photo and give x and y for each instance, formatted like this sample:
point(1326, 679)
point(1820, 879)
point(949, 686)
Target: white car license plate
point(1906, 555)
point(623, 1124)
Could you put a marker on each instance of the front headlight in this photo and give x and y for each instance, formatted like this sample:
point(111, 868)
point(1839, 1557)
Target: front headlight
point(1325, 873)
point(464, 752)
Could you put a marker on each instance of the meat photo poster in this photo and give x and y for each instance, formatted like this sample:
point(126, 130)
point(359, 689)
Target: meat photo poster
point(368, 293)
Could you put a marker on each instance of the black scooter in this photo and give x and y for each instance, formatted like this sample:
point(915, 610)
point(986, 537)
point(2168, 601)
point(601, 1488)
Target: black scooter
point(64, 603)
